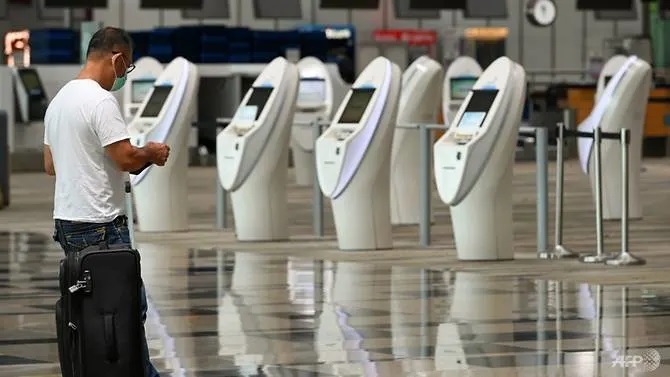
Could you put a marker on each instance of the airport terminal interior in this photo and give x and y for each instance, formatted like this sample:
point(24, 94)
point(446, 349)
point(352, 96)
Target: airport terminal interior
point(374, 188)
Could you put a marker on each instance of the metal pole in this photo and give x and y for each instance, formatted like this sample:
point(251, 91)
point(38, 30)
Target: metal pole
point(600, 256)
point(559, 251)
point(625, 258)
point(559, 325)
point(424, 185)
point(542, 183)
point(129, 213)
point(221, 205)
point(317, 206)
point(221, 200)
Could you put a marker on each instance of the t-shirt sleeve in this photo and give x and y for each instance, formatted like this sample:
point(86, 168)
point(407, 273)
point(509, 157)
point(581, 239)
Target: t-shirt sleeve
point(108, 122)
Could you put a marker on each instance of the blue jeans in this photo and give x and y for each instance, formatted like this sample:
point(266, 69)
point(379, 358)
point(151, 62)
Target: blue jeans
point(76, 236)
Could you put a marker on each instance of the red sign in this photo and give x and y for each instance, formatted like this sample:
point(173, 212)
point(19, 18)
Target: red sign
point(410, 36)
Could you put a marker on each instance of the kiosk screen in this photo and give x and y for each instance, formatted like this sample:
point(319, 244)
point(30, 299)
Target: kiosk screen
point(156, 101)
point(31, 81)
point(140, 89)
point(312, 90)
point(358, 102)
point(475, 113)
point(259, 97)
point(459, 87)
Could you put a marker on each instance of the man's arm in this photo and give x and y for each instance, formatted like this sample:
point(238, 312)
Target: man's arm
point(48, 161)
point(130, 158)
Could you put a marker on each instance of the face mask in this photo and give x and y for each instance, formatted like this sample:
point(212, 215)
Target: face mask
point(119, 82)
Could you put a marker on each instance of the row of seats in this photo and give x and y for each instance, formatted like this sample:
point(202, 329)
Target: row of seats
point(203, 44)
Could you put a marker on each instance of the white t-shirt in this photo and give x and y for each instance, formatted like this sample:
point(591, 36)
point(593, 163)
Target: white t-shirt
point(80, 121)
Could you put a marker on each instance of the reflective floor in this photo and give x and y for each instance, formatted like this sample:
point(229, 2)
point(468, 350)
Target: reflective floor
point(222, 313)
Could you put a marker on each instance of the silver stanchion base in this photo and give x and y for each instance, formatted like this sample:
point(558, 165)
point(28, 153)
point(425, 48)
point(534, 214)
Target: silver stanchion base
point(625, 259)
point(595, 258)
point(559, 252)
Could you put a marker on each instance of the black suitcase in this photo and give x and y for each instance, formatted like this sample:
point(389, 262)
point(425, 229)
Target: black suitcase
point(98, 322)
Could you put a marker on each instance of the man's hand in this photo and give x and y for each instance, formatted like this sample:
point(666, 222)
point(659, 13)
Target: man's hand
point(159, 152)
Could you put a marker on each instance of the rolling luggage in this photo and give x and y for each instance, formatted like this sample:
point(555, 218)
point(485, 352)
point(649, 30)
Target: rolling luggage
point(98, 322)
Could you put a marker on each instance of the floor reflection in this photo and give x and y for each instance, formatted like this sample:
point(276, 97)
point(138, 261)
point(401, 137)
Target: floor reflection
point(226, 313)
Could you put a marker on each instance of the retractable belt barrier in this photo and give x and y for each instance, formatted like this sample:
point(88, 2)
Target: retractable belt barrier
point(624, 257)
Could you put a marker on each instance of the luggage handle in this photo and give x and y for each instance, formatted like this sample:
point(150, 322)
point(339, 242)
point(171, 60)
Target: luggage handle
point(111, 349)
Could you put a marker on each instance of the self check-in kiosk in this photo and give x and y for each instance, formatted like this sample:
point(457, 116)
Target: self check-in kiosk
point(165, 116)
point(315, 101)
point(140, 84)
point(419, 104)
point(353, 158)
point(31, 99)
point(252, 153)
point(623, 104)
point(610, 68)
point(460, 77)
point(474, 161)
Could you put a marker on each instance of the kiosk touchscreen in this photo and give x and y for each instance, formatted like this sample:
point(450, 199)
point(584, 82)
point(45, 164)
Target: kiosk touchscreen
point(140, 83)
point(419, 104)
point(252, 154)
point(165, 117)
point(611, 67)
point(474, 160)
point(623, 103)
point(315, 102)
point(31, 99)
point(460, 77)
point(353, 158)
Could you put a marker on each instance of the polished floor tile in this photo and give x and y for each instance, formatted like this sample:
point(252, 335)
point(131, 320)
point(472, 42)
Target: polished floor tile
point(223, 313)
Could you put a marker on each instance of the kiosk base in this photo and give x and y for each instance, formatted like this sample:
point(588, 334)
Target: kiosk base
point(363, 222)
point(303, 164)
point(483, 223)
point(260, 207)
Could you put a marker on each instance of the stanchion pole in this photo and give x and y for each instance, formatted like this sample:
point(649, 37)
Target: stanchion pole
point(542, 183)
point(625, 258)
point(624, 328)
point(425, 185)
point(317, 206)
point(221, 200)
point(129, 213)
point(221, 205)
point(599, 256)
point(559, 251)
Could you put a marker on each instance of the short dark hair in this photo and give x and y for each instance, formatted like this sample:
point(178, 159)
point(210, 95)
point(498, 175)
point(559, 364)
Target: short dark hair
point(108, 39)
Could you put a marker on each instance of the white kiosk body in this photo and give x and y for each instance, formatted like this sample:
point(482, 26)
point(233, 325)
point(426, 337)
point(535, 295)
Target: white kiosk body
point(315, 101)
point(252, 153)
point(165, 116)
point(609, 70)
point(353, 158)
point(474, 161)
point(460, 77)
point(141, 81)
point(623, 104)
point(419, 104)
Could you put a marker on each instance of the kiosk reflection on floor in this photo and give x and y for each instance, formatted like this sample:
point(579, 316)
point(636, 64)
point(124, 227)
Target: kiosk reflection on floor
point(252, 152)
point(165, 116)
point(474, 161)
point(622, 104)
point(459, 78)
point(353, 158)
point(419, 103)
point(147, 69)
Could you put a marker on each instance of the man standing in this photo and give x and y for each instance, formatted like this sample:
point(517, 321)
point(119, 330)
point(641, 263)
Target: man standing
point(87, 148)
